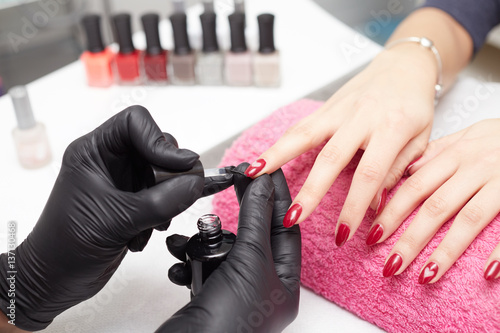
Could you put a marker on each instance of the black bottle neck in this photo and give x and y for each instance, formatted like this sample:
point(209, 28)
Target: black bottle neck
point(150, 23)
point(208, 26)
point(237, 26)
point(181, 39)
point(123, 31)
point(266, 33)
point(92, 26)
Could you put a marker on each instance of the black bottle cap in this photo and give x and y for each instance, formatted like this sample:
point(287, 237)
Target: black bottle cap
point(150, 24)
point(92, 26)
point(210, 43)
point(266, 33)
point(123, 32)
point(181, 39)
point(237, 26)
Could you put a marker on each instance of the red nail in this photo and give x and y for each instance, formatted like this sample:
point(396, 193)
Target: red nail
point(428, 273)
point(292, 215)
point(392, 265)
point(374, 235)
point(342, 234)
point(407, 171)
point(381, 202)
point(492, 270)
point(255, 168)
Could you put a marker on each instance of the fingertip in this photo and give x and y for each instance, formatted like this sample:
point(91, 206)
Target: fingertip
point(254, 170)
point(292, 215)
point(492, 270)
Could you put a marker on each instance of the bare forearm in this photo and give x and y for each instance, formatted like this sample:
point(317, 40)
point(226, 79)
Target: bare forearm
point(5, 327)
point(450, 38)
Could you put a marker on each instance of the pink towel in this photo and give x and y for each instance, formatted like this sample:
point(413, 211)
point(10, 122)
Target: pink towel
point(351, 276)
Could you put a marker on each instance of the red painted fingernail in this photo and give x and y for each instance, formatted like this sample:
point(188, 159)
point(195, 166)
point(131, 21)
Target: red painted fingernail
point(381, 202)
point(428, 273)
point(374, 235)
point(292, 215)
point(342, 234)
point(392, 265)
point(255, 168)
point(407, 171)
point(492, 270)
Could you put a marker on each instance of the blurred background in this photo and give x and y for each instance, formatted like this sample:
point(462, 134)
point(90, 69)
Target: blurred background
point(38, 37)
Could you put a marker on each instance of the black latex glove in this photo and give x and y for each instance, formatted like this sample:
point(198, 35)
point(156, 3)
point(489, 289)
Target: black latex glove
point(98, 209)
point(257, 288)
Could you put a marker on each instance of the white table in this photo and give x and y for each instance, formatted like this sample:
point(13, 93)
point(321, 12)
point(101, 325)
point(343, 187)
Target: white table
point(140, 297)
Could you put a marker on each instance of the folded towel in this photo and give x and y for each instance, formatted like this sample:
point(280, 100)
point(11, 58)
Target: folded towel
point(351, 276)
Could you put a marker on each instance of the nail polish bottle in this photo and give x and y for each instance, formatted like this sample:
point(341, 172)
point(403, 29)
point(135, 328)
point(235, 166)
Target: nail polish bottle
point(210, 60)
point(207, 249)
point(266, 63)
point(30, 137)
point(154, 58)
point(97, 59)
point(182, 60)
point(238, 67)
point(127, 59)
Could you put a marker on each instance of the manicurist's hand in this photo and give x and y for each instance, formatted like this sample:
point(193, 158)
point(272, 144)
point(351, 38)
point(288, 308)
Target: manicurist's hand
point(100, 207)
point(257, 288)
point(386, 110)
point(457, 174)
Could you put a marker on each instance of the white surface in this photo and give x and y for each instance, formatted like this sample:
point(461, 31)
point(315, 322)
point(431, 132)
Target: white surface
point(140, 297)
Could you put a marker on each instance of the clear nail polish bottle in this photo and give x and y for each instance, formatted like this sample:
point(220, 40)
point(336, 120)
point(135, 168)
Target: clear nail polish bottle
point(207, 249)
point(266, 63)
point(30, 137)
point(183, 59)
point(238, 67)
point(210, 60)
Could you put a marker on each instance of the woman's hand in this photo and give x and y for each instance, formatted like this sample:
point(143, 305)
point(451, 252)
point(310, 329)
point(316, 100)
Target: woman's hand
point(459, 173)
point(386, 110)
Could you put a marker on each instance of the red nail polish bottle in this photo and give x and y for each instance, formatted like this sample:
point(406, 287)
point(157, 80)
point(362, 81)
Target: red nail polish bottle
point(154, 60)
point(97, 59)
point(127, 59)
point(207, 249)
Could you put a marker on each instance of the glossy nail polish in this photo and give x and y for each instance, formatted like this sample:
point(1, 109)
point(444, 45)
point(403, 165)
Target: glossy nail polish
point(30, 137)
point(342, 234)
point(381, 202)
point(374, 235)
point(392, 265)
point(127, 59)
point(97, 59)
point(407, 170)
point(182, 60)
point(210, 60)
point(266, 62)
point(292, 216)
point(255, 167)
point(206, 250)
point(492, 270)
point(428, 273)
point(154, 58)
point(238, 66)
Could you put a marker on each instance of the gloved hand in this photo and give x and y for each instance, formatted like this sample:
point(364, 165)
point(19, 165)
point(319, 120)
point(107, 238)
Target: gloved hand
point(99, 208)
point(257, 288)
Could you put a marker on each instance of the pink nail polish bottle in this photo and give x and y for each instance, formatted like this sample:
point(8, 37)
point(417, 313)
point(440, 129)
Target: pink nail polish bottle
point(30, 137)
point(238, 67)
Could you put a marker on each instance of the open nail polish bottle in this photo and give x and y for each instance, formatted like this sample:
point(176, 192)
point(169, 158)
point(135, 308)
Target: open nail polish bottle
point(182, 60)
point(97, 59)
point(266, 63)
point(210, 60)
point(238, 67)
point(127, 59)
point(154, 58)
point(30, 137)
point(207, 249)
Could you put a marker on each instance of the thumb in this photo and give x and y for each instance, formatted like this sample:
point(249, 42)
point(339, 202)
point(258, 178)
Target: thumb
point(166, 200)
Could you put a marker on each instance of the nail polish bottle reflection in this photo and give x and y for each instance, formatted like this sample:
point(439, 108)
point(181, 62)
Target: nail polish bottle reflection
point(210, 61)
point(182, 60)
point(127, 59)
point(154, 59)
point(266, 63)
point(30, 137)
point(206, 250)
point(238, 67)
point(97, 59)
